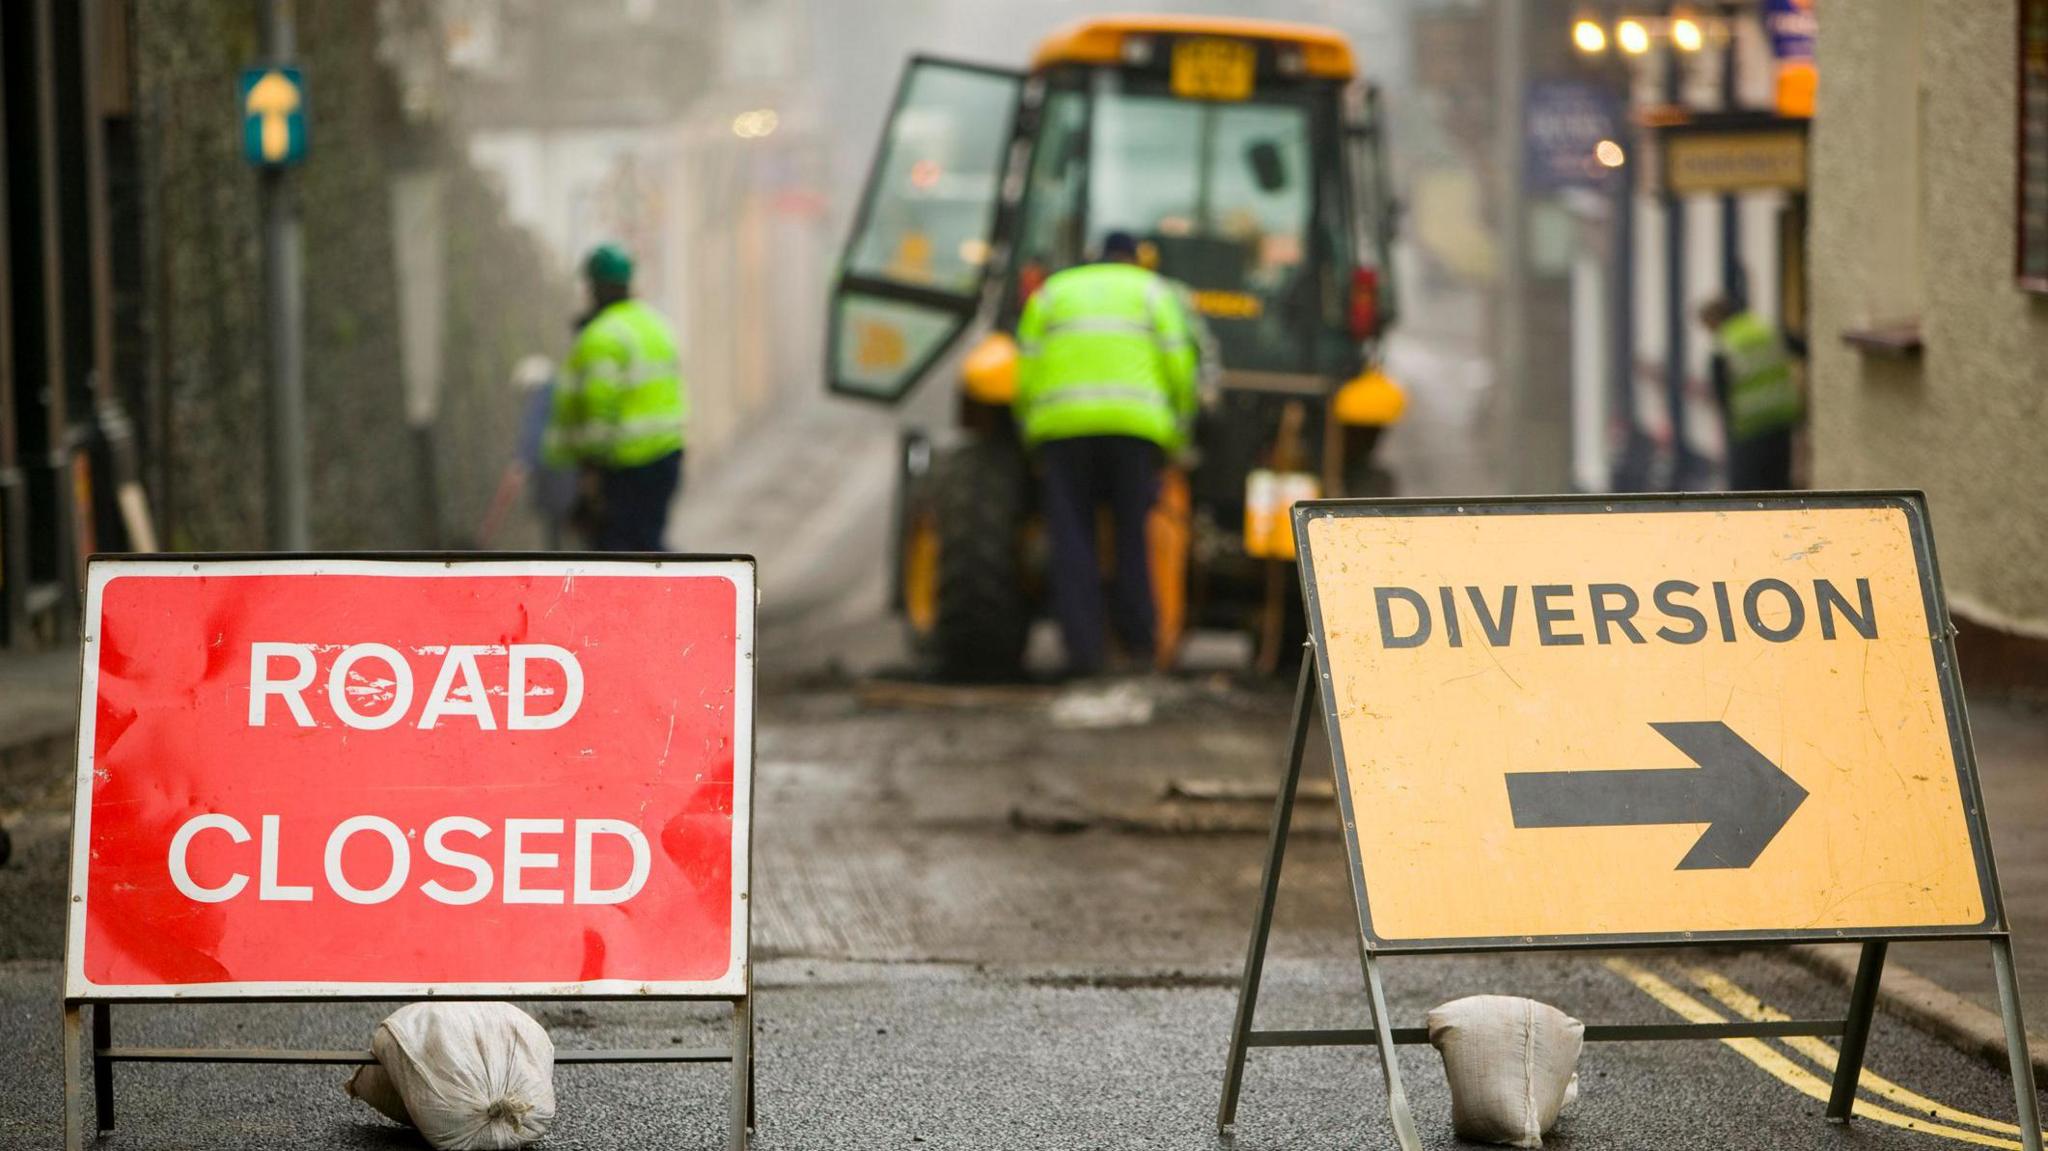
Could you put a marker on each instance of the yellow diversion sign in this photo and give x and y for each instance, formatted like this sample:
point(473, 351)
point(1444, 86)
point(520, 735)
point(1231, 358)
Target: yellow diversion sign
point(1596, 720)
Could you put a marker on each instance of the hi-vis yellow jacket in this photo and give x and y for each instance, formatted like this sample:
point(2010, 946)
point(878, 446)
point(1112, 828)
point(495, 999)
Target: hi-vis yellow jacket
point(1104, 350)
point(620, 402)
point(1763, 396)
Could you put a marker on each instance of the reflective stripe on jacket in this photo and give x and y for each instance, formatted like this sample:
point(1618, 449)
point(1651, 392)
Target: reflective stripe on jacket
point(1762, 395)
point(1104, 350)
point(620, 402)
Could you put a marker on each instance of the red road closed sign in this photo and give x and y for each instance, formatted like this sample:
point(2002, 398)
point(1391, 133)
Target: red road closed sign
point(406, 777)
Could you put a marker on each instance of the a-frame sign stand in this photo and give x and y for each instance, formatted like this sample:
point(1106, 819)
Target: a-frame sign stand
point(1315, 696)
point(1243, 1036)
point(105, 1054)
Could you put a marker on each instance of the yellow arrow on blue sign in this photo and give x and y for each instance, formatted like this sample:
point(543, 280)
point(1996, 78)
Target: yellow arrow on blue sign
point(273, 116)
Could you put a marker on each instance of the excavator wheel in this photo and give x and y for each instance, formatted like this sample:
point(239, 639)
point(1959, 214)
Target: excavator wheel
point(964, 598)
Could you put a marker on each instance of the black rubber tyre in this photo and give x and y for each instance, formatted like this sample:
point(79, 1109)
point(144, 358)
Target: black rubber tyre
point(912, 578)
point(978, 492)
point(1363, 477)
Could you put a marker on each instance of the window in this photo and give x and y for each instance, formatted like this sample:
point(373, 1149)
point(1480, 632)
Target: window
point(911, 276)
point(2032, 204)
point(1225, 193)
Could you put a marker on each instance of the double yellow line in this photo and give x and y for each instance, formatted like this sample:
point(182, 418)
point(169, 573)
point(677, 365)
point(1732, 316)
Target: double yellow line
point(1790, 1073)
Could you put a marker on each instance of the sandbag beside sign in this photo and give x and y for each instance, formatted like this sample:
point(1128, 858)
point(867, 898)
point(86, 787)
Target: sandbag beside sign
point(1512, 1064)
point(469, 1076)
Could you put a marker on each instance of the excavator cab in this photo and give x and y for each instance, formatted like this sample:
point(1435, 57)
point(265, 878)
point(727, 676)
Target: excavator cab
point(1248, 160)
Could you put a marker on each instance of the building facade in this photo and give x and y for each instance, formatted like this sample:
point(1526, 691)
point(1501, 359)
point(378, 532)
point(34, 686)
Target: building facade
point(1929, 351)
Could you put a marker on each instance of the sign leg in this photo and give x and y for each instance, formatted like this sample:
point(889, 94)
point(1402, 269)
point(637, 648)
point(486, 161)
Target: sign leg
point(1856, 1032)
point(742, 1105)
point(102, 1067)
point(750, 1065)
point(74, 1091)
point(1383, 1032)
point(1262, 919)
point(2016, 1044)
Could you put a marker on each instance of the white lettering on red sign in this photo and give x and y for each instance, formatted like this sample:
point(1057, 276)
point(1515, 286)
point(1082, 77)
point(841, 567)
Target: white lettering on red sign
point(522, 862)
point(391, 682)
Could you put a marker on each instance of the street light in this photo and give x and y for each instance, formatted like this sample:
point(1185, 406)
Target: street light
point(1589, 36)
point(1609, 154)
point(755, 124)
point(1633, 36)
point(1686, 35)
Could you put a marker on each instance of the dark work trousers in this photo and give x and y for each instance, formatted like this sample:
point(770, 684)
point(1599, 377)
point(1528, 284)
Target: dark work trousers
point(636, 503)
point(1081, 475)
point(1761, 463)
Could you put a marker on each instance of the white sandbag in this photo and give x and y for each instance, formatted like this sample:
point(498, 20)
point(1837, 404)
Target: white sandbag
point(473, 1076)
point(1512, 1065)
point(372, 1085)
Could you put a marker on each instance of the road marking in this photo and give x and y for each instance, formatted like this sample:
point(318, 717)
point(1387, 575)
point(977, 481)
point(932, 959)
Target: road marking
point(1813, 1047)
point(1781, 1067)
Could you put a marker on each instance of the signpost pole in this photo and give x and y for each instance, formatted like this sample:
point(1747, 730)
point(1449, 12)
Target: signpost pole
point(1683, 462)
point(1305, 697)
point(2016, 1044)
point(1734, 279)
point(1856, 1031)
point(284, 312)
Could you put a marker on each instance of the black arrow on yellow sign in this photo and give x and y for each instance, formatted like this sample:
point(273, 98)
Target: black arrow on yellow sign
point(1743, 798)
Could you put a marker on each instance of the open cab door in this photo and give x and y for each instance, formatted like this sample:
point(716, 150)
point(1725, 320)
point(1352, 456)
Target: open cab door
point(911, 276)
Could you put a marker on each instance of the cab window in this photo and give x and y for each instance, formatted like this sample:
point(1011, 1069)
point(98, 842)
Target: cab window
point(1053, 234)
point(936, 182)
point(1224, 193)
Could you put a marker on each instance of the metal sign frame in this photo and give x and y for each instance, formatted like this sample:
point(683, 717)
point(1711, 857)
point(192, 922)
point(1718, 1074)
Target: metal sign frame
point(736, 987)
point(1314, 694)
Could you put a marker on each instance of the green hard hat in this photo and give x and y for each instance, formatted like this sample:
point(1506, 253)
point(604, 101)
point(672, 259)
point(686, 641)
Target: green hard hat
point(608, 264)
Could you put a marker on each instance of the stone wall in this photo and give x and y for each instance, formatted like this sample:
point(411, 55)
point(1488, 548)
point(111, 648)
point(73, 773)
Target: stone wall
point(205, 310)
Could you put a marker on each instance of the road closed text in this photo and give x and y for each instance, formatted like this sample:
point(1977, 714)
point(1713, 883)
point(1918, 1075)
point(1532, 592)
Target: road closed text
point(1672, 611)
point(461, 865)
point(372, 686)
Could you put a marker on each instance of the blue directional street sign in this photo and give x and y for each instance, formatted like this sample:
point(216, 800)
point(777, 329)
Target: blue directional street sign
point(1564, 122)
point(273, 103)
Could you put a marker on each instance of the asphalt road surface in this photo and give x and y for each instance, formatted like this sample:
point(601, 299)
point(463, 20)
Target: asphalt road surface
point(983, 927)
point(996, 918)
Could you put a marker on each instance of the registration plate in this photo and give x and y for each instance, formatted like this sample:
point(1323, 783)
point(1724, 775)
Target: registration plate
point(1209, 69)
